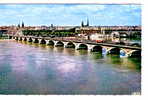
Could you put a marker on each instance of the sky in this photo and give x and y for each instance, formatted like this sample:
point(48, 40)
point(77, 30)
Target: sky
point(70, 14)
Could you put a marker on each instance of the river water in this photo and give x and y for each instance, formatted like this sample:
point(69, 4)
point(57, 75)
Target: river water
point(28, 68)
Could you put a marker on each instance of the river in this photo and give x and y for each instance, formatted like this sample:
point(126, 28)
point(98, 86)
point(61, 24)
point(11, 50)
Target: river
point(28, 68)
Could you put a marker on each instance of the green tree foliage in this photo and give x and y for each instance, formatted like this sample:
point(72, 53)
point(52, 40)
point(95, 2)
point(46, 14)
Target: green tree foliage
point(48, 33)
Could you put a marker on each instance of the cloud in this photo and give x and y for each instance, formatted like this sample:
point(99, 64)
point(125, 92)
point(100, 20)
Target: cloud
point(37, 14)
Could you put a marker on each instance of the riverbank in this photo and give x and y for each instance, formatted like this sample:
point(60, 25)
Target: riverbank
point(7, 40)
point(4, 37)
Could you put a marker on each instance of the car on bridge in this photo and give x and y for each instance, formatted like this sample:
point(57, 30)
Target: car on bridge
point(99, 41)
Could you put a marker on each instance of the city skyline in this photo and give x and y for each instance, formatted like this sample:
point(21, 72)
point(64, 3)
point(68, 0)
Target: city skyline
point(70, 14)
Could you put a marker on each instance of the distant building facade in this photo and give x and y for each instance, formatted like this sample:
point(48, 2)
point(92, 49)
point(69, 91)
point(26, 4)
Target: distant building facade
point(85, 29)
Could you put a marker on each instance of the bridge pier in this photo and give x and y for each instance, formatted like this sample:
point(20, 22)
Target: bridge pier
point(106, 49)
point(76, 45)
point(80, 46)
point(59, 44)
point(16, 38)
point(20, 39)
point(47, 41)
point(90, 47)
point(65, 44)
point(129, 53)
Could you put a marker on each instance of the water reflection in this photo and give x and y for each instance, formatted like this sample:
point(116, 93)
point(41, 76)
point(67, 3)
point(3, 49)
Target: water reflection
point(59, 49)
point(28, 68)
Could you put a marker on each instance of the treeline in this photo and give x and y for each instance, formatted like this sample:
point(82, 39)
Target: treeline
point(135, 35)
point(3, 36)
point(49, 33)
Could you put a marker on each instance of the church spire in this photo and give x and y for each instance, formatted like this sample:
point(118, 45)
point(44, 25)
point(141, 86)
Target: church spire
point(18, 25)
point(87, 22)
point(82, 24)
point(22, 24)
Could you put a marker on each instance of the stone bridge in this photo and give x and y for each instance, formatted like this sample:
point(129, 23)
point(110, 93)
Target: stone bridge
point(123, 33)
point(104, 48)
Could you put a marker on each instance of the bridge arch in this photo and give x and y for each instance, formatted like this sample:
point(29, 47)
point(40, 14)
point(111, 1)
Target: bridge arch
point(10, 37)
point(59, 44)
point(97, 48)
point(70, 45)
point(135, 44)
point(43, 41)
point(16, 38)
point(114, 50)
point(123, 34)
point(136, 53)
point(20, 39)
point(36, 40)
point(25, 39)
point(30, 39)
point(83, 47)
point(50, 42)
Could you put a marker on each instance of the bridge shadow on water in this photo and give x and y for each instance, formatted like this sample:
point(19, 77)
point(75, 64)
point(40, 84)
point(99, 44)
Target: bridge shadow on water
point(124, 63)
point(112, 58)
point(59, 49)
point(96, 55)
